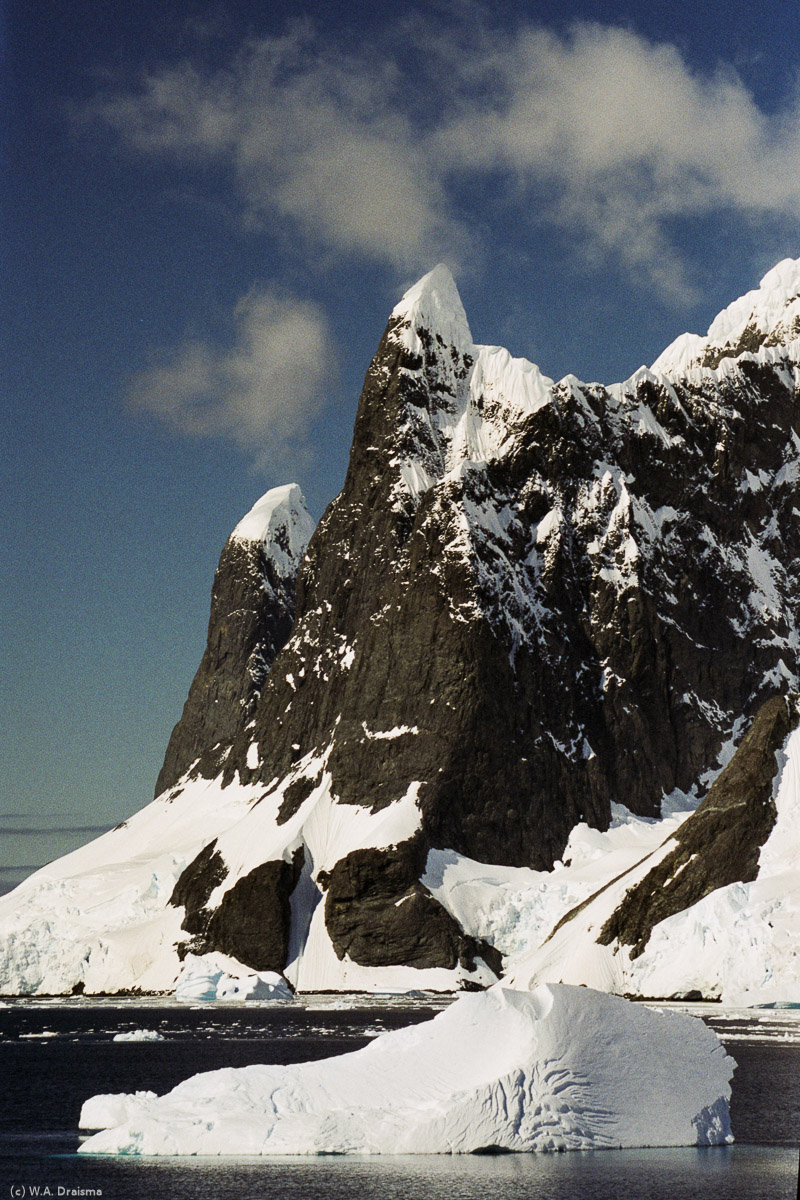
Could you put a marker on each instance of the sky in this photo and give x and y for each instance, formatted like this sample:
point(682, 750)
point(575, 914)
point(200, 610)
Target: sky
point(209, 210)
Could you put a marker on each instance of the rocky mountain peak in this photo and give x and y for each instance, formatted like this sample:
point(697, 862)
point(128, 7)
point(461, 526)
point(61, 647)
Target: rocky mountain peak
point(530, 602)
point(252, 610)
point(767, 316)
point(433, 306)
point(461, 401)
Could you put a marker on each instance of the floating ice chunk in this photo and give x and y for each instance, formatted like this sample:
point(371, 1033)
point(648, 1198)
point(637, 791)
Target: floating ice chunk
point(139, 1035)
point(104, 1110)
point(560, 1068)
point(199, 978)
point(261, 985)
point(209, 977)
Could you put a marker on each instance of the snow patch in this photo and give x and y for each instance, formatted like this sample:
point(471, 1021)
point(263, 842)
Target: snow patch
point(390, 734)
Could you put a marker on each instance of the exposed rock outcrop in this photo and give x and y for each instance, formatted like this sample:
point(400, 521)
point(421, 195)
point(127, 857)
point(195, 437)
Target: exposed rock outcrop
point(720, 843)
point(252, 611)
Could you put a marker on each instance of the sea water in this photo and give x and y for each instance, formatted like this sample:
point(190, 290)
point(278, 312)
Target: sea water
point(53, 1055)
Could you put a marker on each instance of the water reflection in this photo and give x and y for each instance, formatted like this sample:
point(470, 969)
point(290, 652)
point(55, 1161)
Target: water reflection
point(715, 1173)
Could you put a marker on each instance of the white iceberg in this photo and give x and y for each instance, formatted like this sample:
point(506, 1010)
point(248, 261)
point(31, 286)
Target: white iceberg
point(109, 1109)
point(260, 985)
point(209, 977)
point(561, 1068)
point(198, 980)
point(139, 1035)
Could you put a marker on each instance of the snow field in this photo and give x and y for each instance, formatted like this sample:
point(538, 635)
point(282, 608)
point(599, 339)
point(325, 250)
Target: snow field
point(100, 916)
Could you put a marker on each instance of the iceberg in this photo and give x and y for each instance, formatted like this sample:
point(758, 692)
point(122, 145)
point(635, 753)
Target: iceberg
point(559, 1068)
point(259, 985)
point(139, 1035)
point(210, 977)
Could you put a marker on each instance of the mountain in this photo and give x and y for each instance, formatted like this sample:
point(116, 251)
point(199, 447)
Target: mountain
point(532, 602)
point(252, 611)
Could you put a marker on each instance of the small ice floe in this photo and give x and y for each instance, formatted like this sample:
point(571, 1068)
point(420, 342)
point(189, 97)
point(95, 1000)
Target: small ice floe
point(559, 1068)
point(139, 1035)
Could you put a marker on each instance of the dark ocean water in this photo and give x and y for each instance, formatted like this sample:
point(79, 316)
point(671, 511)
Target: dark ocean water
point(52, 1057)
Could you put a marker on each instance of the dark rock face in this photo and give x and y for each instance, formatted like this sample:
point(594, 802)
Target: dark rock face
point(252, 611)
point(378, 913)
point(720, 843)
point(253, 919)
point(195, 885)
point(429, 656)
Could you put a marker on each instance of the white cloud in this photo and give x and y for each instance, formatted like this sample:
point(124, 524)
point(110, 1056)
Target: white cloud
point(262, 391)
point(372, 149)
point(616, 137)
point(314, 135)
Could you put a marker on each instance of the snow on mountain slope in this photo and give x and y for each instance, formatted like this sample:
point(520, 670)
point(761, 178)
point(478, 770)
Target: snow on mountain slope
point(740, 942)
point(736, 941)
point(514, 908)
point(767, 316)
point(559, 1069)
point(99, 919)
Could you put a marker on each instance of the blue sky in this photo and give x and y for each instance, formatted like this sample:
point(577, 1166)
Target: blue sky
point(209, 211)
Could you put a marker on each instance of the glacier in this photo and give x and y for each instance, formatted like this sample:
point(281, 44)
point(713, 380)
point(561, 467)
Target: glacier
point(737, 944)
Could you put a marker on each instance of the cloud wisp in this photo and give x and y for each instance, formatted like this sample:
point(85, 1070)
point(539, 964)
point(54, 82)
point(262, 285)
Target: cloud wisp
point(262, 391)
point(372, 151)
point(431, 143)
point(616, 138)
point(48, 824)
point(314, 136)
